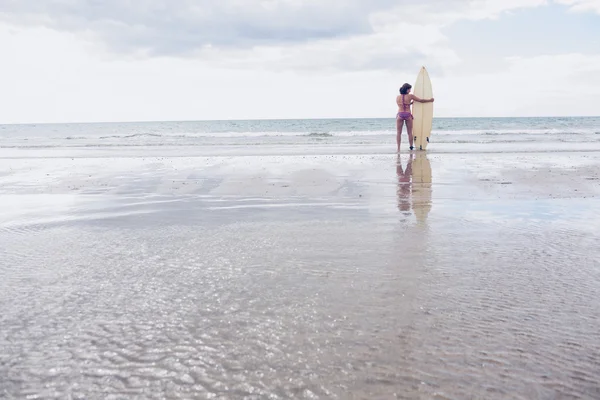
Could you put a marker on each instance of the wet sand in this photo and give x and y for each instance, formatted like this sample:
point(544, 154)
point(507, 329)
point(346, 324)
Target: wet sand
point(360, 276)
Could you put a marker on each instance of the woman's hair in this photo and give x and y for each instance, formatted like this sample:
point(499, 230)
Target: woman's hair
point(405, 88)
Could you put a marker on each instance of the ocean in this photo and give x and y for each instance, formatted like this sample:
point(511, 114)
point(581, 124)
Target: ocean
point(324, 135)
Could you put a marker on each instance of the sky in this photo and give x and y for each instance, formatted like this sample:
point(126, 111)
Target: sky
point(151, 60)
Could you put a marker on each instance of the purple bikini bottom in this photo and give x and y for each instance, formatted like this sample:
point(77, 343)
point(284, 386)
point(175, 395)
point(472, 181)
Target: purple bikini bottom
point(404, 116)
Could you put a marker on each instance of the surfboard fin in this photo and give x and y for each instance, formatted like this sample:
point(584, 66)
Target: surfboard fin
point(427, 139)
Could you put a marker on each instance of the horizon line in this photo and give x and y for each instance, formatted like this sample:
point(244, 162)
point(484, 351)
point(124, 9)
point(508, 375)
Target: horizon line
point(279, 119)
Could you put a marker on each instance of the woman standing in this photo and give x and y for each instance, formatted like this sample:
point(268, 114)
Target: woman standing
point(404, 101)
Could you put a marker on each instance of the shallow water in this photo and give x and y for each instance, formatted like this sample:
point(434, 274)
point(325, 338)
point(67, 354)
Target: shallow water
point(300, 277)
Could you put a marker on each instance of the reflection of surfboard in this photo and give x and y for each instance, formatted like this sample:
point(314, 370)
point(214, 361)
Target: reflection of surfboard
point(421, 186)
point(422, 112)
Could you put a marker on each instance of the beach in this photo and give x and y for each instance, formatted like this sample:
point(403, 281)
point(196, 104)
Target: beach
point(301, 267)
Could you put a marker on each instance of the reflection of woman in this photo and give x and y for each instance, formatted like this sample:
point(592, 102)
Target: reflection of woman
point(404, 101)
point(404, 184)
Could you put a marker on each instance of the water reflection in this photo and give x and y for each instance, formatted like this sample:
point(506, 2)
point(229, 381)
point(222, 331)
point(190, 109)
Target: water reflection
point(414, 186)
point(404, 184)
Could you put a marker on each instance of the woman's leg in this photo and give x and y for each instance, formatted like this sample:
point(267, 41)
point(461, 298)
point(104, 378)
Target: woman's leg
point(399, 126)
point(409, 128)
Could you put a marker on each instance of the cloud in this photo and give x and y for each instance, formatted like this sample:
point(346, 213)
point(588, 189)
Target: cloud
point(402, 38)
point(444, 14)
point(182, 27)
point(379, 50)
point(581, 5)
point(564, 84)
point(300, 35)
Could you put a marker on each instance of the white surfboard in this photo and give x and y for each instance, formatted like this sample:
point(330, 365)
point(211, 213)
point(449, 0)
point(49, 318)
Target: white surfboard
point(422, 112)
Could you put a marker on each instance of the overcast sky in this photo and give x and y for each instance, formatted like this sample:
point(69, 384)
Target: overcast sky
point(116, 60)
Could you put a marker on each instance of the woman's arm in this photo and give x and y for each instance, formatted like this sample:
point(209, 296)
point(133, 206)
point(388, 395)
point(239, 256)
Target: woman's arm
point(419, 100)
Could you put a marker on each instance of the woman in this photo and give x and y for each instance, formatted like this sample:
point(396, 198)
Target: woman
point(404, 100)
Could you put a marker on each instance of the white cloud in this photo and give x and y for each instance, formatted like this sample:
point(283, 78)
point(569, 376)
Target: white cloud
point(381, 50)
point(581, 5)
point(314, 36)
point(182, 26)
point(531, 86)
point(448, 13)
point(401, 38)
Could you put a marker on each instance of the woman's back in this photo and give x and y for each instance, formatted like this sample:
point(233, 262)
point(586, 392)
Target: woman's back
point(404, 102)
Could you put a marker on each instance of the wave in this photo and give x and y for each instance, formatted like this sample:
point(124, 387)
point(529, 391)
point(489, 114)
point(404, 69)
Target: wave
point(492, 132)
point(319, 135)
point(439, 140)
point(325, 134)
point(366, 135)
point(133, 135)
